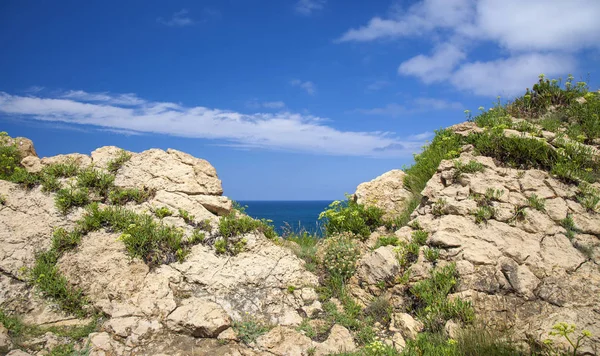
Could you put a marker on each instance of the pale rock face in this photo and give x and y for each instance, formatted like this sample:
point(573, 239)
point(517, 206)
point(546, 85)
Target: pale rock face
point(386, 192)
point(339, 340)
point(379, 265)
point(18, 353)
point(79, 159)
point(103, 155)
point(523, 273)
point(24, 145)
point(5, 343)
point(199, 318)
point(284, 341)
point(407, 325)
point(171, 171)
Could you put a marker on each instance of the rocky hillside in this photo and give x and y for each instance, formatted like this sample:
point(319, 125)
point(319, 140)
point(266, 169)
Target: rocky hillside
point(488, 245)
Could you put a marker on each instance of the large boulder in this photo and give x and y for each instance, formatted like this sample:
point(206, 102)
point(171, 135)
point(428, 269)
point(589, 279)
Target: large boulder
point(199, 318)
point(386, 192)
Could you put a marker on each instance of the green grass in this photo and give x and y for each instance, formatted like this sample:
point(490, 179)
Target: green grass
point(232, 225)
point(95, 180)
point(431, 254)
point(387, 241)
point(162, 212)
point(469, 167)
point(569, 224)
point(304, 245)
point(121, 196)
point(589, 197)
point(439, 207)
point(430, 302)
point(445, 145)
point(483, 214)
point(115, 164)
point(54, 286)
point(349, 216)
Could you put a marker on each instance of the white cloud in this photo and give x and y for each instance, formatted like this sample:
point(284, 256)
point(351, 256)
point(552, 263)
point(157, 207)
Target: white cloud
point(532, 36)
point(436, 104)
point(509, 76)
point(433, 68)
point(392, 110)
point(307, 7)
point(178, 19)
point(281, 131)
point(120, 99)
point(308, 86)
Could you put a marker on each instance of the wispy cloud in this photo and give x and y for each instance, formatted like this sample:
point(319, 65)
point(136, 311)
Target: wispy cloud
point(308, 86)
point(520, 30)
point(178, 19)
point(120, 99)
point(281, 131)
point(307, 7)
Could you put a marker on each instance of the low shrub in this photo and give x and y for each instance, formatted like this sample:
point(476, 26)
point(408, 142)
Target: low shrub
point(121, 196)
point(387, 241)
point(339, 259)
point(233, 225)
point(349, 216)
point(68, 198)
point(380, 310)
point(249, 329)
point(536, 202)
point(430, 300)
point(162, 212)
point(472, 166)
point(95, 180)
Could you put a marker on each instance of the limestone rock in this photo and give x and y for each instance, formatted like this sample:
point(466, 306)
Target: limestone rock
point(79, 159)
point(228, 334)
point(386, 192)
point(284, 341)
point(5, 342)
point(339, 340)
point(379, 265)
point(171, 171)
point(18, 353)
point(103, 155)
point(408, 326)
point(23, 144)
point(199, 318)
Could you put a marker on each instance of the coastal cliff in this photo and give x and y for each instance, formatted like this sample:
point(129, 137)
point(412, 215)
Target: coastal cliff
point(488, 244)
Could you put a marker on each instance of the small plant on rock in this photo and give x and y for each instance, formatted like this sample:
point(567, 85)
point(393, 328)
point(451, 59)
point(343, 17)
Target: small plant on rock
point(589, 197)
point(519, 214)
point(186, 216)
point(431, 254)
point(492, 194)
point(2, 199)
point(197, 237)
point(116, 163)
point(471, 167)
point(95, 180)
point(484, 213)
point(349, 216)
point(439, 207)
point(249, 329)
point(380, 309)
point(163, 212)
point(565, 331)
point(121, 196)
point(569, 224)
point(536, 202)
point(68, 198)
point(387, 241)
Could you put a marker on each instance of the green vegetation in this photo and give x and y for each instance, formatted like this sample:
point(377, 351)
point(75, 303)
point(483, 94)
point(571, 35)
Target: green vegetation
point(431, 254)
point(2, 199)
point(470, 167)
point(536, 202)
point(162, 212)
point(339, 262)
point(439, 207)
point(519, 214)
point(589, 197)
point(186, 216)
point(121, 196)
point(115, 164)
point(97, 181)
point(349, 216)
point(68, 198)
point(569, 224)
point(484, 213)
point(351, 317)
point(431, 304)
point(380, 310)
point(304, 245)
point(387, 241)
point(233, 226)
point(249, 329)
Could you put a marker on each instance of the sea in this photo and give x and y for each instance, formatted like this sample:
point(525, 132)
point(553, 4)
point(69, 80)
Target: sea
point(296, 215)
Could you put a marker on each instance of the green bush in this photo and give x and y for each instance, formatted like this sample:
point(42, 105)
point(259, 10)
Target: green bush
point(232, 225)
point(63, 240)
point(484, 213)
point(430, 300)
point(349, 216)
point(10, 158)
point(162, 212)
point(25, 179)
point(431, 254)
point(68, 198)
point(96, 180)
point(589, 197)
point(186, 216)
point(304, 245)
point(387, 241)
point(61, 170)
point(339, 259)
point(380, 310)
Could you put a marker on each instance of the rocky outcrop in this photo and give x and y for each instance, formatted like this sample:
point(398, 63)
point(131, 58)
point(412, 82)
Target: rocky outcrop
point(386, 192)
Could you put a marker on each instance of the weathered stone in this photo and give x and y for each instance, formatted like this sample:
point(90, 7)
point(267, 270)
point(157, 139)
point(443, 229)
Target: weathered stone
point(23, 144)
point(284, 341)
point(408, 326)
point(199, 318)
point(171, 171)
point(5, 342)
point(339, 340)
point(520, 277)
point(79, 159)
point(379, 265)
point(386, 192)
point(103, 155)
point(228, 334)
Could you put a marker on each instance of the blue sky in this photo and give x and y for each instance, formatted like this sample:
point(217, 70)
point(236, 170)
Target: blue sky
point(288, 99)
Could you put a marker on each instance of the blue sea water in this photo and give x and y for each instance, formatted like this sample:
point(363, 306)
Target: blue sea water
point(298, 214)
